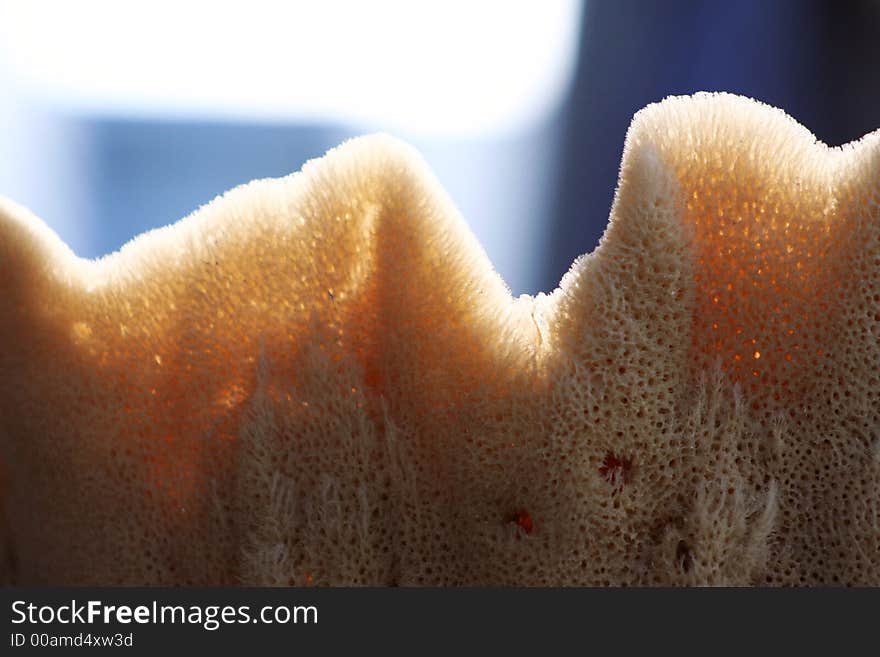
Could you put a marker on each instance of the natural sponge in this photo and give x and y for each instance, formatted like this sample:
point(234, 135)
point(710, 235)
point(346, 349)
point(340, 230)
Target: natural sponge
point(320, 380)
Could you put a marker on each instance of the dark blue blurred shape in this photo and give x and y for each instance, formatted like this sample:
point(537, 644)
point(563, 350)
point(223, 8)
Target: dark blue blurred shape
point(816, 60)
point(148, 174)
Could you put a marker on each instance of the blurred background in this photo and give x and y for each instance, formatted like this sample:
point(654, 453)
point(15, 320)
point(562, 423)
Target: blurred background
point(120, 117)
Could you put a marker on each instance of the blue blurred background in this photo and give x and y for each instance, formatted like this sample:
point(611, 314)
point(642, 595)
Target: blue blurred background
point(120, 117)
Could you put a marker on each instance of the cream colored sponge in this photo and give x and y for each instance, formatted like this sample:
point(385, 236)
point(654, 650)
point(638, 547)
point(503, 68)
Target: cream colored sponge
point(321, 380)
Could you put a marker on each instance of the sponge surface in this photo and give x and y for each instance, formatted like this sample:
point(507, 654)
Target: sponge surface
point(320, 379)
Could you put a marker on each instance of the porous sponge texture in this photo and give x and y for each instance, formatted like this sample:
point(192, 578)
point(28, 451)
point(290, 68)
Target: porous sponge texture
point(321, 380)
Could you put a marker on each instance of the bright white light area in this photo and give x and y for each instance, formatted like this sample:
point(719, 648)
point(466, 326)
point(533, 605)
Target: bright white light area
point(478, 67)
